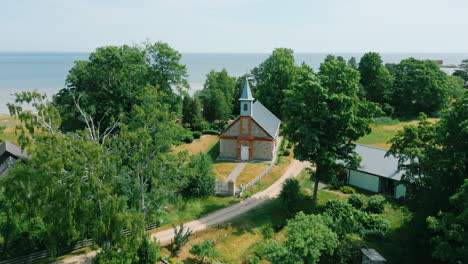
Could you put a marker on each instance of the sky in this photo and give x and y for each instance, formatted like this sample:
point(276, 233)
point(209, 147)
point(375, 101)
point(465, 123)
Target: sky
point(236, 26)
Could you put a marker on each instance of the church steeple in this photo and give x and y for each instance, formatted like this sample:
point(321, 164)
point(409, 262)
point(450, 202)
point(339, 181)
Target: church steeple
point(246, 100)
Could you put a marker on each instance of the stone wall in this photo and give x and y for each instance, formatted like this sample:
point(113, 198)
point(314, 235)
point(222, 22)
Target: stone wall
point(262, 150)
point(233, 131)
point(257, 131)
point(228, 148)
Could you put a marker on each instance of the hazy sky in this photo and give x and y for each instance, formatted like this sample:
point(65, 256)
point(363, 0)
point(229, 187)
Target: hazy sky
point(237, 25)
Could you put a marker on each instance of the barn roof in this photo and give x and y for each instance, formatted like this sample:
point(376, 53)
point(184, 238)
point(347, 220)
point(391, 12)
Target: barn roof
point(374, 162)
point(266, 119)
point(8, 149)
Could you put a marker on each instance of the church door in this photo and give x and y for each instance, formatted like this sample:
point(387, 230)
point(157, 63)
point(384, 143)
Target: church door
point(245, 152)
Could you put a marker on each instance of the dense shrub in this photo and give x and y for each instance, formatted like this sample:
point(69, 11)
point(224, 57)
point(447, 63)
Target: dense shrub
point(188, 138)
point(290, 196)
point(376, 204)
point(347, 190)
point(373, 221)
point(343, 217)
point(197, 134)
point(286, 153)
point(357, 200)
point(200, 176)
point(210, 132)
point(148, 252)
point(372, 234)
point(113, 256)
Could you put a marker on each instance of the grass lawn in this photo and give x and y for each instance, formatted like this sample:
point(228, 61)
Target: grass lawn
point(272, 176)
point(251, 171)
point(203, 144)
point(381, 134)
point(222, 169)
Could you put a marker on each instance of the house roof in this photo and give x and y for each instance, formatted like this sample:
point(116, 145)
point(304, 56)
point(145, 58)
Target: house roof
point(8, 149)
point(246, 93)
point(374, 162)
point(266, 119)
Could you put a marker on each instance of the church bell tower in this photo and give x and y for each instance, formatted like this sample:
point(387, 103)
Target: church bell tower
point(246, 100)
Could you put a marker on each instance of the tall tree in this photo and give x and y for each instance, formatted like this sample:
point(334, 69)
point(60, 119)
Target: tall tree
point(434, 157)
point(375, 78)
point(462, 71)
point(192, 115)
point(420, 86)
point(272, 77)
point(217, 94)
point(455, 86)
point(353, 63)
point(106, 86)
point(335, 116)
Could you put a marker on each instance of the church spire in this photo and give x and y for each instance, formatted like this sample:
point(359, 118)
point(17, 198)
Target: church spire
point(246, 100)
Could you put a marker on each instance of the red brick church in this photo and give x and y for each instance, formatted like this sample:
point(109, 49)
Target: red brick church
point(253, 135)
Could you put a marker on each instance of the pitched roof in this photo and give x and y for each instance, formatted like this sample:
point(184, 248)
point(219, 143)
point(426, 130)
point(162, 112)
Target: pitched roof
point(246, 93)
point(374, 162)
point(9, 149)
point(266, 119)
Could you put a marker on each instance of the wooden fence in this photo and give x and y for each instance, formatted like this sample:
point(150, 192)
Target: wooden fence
point(46, 254)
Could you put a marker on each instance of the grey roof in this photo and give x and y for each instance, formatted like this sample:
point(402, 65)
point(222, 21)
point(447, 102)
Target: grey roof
point(9, 149)
point(374, 162)
point(246, 93)
point(372, 254)
point(266, 119)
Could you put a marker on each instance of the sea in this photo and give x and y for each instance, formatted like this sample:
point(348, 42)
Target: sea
point(46, 71)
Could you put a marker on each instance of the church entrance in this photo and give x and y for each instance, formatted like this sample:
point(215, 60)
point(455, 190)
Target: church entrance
point(245, 152)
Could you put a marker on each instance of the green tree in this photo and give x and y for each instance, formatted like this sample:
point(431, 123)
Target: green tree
point(272, 77)
point(450, 229)
point(434, 159)
point(290, 196)
point(181, 237)
point(420, 86)
point(462, 71)
point(204, 250)
point(335, 117)
point(106, 86)
point(308, 238)
point(217, 95)
point(375, 78)
point(201, 179)
point(353, 63)
point(148, 252)
point(192, 115)
point(455, 85)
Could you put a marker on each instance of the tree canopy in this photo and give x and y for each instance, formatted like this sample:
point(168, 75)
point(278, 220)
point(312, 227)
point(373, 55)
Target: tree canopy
point(272, 77)
point(217, 95)
point(335, 116)
point(375, 78)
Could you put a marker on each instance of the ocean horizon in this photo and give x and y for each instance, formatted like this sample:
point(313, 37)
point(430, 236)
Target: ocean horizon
point(46, 71)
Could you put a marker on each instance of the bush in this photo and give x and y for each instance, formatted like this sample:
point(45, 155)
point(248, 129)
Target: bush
point(286, 153)
point(181, 237)
point(347, 190)
point(290, 196)
point(201, 178)
point(188, 138)
point(376, 204)
point(197, 134)
point(204, 250)
point(113, 256)
point(357, 201)
point(373, 222)
point(373, 234)
point(148, 252)
point(210, 132)
point(344, 218)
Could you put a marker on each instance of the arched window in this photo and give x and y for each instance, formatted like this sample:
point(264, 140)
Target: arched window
point(245, 107)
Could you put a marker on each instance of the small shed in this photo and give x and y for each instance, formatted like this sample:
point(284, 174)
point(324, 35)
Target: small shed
point(371, 256)
point(376, 172)
point(9, 154)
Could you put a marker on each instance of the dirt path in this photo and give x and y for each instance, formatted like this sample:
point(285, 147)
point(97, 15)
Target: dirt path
point(236, 172)
point(217, 217)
